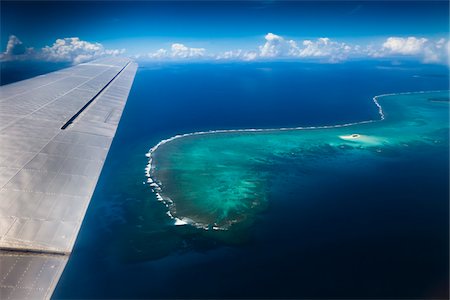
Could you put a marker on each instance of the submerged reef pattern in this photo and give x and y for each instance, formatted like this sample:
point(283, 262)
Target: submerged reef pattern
point(215, 179)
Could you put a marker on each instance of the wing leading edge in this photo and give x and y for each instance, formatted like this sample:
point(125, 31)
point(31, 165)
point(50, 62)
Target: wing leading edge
point(55, 133)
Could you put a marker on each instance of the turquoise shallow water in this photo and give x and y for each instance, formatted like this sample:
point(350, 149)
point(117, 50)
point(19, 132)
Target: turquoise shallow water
point(214, 180)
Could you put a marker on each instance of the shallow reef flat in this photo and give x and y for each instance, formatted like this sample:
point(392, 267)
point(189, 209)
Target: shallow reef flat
point(216, 179)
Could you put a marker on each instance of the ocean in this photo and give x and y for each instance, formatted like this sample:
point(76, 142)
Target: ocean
point(333, 226)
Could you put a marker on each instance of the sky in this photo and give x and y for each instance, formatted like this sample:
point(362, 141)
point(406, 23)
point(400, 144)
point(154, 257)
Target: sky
point(253, 30)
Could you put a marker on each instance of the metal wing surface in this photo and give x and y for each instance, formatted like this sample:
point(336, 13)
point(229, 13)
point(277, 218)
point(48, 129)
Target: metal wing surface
point(55, 133)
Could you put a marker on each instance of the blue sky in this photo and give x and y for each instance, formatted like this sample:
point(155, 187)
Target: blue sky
point(218, 27)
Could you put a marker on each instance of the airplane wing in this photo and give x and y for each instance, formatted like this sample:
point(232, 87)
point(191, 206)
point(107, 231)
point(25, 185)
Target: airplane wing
point(55, 133)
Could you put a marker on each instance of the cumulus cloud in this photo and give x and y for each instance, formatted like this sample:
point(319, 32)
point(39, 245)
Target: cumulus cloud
point(76, 51)
point(405, 46)
point(71, 50)
point(276, 46)
point(250, 55)
point(324, 47)
point(178, 51)
point(158, 54)
point(237, 55)
point(232, 54)
point(429, 51)
point(181, 51)
point(15, 49)
point(14, 46)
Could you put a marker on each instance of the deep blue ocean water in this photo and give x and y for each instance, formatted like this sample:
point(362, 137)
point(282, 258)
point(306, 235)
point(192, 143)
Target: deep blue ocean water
point(372, 232)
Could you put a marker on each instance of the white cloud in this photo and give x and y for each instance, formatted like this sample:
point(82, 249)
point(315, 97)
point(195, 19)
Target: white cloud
point(427, 50)
point(15, 49)
point(178, 51)
point(326, 48)
point(232, 54)
point(71, 50)
point(405, 46)
point(277, 46)
point(14, 46)
point(76, 51)
point(250, 55)
point(237, 55)
point(181, 51)
point(158, 54)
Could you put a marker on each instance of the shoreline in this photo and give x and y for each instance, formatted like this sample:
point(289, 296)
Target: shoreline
point(156, 186)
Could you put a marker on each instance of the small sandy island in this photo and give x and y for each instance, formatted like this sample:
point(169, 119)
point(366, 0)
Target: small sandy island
point(353, 136)
point(363, 139)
